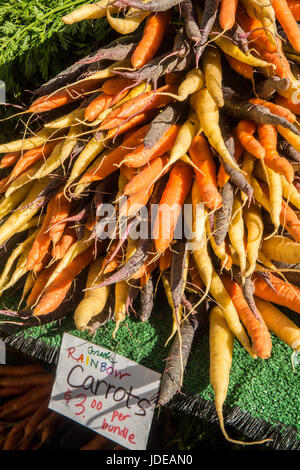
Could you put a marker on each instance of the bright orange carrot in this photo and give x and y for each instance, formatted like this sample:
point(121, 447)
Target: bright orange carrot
point(135, 202)
point(101, 103)
point(265, 49)
point(286, 19)
point(287, 103)
point(141, 118)
point(61, 210)
point(294, 6)
point(153, 35)
point(39, 284)
point(203, 158)
point(62, 97)
point(61, 247)
point(30, 157)
point(284, 293)
point(174, 195)
point(4, 183)
point(257, 330)
point(227, 13)
point(129, 172)
point(111, 162)
point(115, 85)
point(241, 68)
point(245, 130)
point(268, 139)
point(9, 159)
point(165, 260)
point(55, 294)
point(141, 155)
point(257, 36)
point(145, 177)
point(42, 241)
point(142, 102)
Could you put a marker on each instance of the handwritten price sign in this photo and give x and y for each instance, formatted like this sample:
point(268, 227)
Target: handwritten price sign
point(105, 392)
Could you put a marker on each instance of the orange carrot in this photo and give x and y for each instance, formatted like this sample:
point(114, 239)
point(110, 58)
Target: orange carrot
point(145, 177)
point(56, 292)
point(174, 195)
point(61, 247)
point(109, 265)
point(290, 220)
point(42, 241)
point(153, 35)
point(115, 85)
point(257, 329)
point(39, 284)
point(141, 118)
point(135, 202)
point(203, 158)
point(3, 184)
point(265, 49)
point(245, 131)
point(286, 19)
point(30, 157)
point(294, 6)
point(101, 103)
point(62, 97)
point(284, 294)
point(61, 210)
point(165, 260)
point(111, 162)
point(257, 36)
point(9, 159)
point(268, 139)
point(227, 13)
point(141, 155)
point(287, 103)
point(129, 172)
point(275, 108)
point(241, 68)
point(142, 102)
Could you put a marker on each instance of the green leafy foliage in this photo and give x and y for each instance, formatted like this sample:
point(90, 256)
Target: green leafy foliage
point(35, 44)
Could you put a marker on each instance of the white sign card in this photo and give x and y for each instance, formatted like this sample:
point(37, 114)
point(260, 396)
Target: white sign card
point(104, 391)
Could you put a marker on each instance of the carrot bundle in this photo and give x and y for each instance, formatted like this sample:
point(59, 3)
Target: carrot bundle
point(159, 145)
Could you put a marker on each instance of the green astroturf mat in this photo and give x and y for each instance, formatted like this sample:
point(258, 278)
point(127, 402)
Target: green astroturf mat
point(264, 395)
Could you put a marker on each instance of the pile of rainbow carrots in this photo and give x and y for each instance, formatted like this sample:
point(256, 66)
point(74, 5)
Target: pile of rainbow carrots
point(150, 127)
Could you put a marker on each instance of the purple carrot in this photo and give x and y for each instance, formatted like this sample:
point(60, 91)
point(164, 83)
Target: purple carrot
point(118, 49)
point(292, 276)
point(131, 267)
point(190, 21)
point(133, 292)
point(288, 150)
point(207, 21)
point(267, 88)
point(147, 301)
point(223, 215)
point(161, 123)
point(239, 37)
point(153, 5)
point(241, 108)
point(178, 357)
